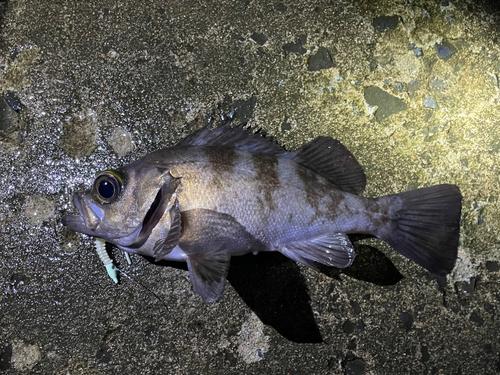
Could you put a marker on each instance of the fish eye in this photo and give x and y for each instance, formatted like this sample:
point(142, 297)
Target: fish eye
point(107, 186)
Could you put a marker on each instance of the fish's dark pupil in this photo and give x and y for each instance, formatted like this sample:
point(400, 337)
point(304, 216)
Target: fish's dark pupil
point(106, 189)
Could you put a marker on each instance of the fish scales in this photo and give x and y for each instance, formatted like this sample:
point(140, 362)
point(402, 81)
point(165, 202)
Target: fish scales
point(263, 192)
point(227, 191)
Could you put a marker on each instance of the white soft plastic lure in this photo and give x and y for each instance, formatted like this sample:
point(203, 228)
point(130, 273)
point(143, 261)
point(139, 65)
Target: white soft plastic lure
point(100, 247)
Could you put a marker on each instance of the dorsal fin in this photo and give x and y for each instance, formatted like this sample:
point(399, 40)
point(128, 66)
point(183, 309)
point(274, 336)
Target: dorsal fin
point(330, 159)
point(232, 137)
point(324, 155)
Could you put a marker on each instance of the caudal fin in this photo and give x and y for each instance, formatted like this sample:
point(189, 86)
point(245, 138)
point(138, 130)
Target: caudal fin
point(426, 227)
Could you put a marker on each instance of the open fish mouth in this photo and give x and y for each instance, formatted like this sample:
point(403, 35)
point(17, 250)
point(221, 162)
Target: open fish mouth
point(81, 223)
point(77, 223)
point(73, 222)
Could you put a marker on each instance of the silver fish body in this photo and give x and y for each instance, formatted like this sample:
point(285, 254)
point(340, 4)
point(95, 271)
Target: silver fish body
point(227, 192)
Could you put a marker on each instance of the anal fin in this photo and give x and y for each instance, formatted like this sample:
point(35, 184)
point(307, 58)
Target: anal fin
point(333, 249)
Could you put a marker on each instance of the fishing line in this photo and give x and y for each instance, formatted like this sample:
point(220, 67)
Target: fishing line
point(142, 285)
point(100, 246)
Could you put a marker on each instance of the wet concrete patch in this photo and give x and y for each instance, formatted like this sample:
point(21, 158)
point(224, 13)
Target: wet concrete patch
point(80, 137)
point(39, 209)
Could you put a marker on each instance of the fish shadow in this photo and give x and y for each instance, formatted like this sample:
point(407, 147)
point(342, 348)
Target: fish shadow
point(370, 265)
point(274, 288)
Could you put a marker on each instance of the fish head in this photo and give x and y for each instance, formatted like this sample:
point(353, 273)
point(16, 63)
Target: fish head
point(124, 205)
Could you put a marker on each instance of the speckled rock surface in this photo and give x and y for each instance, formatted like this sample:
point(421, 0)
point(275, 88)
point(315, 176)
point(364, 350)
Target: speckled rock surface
point(91, 85)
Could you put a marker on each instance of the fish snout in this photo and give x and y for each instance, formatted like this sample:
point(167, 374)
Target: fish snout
point(89, 218)
point(90, 211)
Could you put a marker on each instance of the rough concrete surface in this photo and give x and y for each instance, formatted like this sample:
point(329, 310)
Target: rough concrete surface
point(410, 87)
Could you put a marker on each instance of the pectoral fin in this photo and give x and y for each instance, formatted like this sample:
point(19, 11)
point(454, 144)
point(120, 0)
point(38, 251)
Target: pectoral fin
point(334, 250)
point(208, 239)
point(208, 274)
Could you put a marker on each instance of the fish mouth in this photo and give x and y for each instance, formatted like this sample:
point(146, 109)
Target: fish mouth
point(82, 223)
point(73, 222)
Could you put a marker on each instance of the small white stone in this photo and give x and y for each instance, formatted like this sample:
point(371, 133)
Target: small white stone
point(25, 356)
point(121, 141)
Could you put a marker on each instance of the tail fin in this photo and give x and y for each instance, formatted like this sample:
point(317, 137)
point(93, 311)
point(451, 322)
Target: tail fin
point(426, 227)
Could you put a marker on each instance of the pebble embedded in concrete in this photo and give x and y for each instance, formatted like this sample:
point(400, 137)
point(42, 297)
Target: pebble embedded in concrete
point(322, 59)
point(384, 23)
point(445, 50)
point(430, 102)
point(387, 104)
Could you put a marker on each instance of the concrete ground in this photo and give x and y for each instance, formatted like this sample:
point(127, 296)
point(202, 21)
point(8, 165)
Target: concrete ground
point(410, 87)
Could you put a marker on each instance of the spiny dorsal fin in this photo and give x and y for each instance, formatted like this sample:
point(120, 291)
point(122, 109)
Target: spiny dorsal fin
point(232, 137)
point(324, 155)
point(330, 159)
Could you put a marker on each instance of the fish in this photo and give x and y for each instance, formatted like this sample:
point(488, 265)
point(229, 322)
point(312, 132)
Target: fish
point(227, 191)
